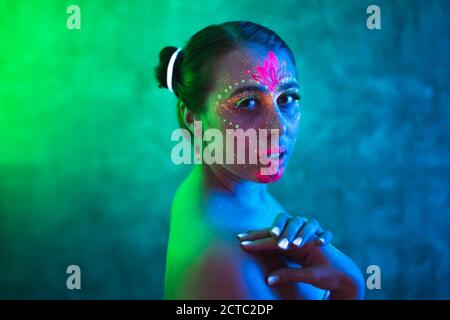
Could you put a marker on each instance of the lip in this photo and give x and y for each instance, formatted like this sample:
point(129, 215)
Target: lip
point(281, 151)
point(272, 178)
point(278, 161)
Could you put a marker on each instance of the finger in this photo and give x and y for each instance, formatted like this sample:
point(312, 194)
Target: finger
point(279, 223)
point(266, 244)
point(307, 232)
point(254, 235)
point(292, 228)
point(311, 275)
point(324, 238)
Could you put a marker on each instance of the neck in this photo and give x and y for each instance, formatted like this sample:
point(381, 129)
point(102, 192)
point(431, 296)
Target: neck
point(246, 192)
point(232, 203)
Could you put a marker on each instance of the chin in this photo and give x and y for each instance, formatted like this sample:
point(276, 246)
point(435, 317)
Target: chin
point(270, 178)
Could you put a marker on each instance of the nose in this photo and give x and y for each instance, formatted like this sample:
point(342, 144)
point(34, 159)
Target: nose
point(276, 121)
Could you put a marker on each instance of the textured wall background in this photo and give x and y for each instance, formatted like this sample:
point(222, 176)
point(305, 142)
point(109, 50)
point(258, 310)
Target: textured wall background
point(85, 170)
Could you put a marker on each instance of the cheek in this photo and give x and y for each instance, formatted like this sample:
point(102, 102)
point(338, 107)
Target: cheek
point(293, 128)
point(226, 120)
point(295, 123)
point(227, 123)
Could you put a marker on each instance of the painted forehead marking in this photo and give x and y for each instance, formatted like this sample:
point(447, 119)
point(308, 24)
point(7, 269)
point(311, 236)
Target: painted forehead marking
point(270, 73)
point(267, 73)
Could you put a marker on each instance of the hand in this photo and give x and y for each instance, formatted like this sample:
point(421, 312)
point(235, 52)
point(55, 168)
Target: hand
point(304, 241)
point(289, 230)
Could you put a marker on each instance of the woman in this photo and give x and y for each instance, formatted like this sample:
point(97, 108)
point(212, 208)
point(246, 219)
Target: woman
point(229, 238)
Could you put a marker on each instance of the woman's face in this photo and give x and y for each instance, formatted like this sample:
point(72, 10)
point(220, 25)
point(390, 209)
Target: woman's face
point(255, 88)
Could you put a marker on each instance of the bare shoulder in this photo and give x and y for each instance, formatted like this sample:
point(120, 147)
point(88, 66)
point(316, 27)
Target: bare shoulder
point(216, 273)
point(202, 263)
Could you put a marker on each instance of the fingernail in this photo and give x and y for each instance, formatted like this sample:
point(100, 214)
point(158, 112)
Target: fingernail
point(241, 235)
point(273, 279)
point(321, 241)
point(246, 243)
point(298, 241)
point(275, 231)
point(283, 244)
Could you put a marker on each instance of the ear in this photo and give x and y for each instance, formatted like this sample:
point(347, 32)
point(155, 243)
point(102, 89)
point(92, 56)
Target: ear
point(188, 117)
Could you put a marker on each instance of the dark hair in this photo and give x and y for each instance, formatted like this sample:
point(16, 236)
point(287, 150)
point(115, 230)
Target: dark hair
point(192, 79)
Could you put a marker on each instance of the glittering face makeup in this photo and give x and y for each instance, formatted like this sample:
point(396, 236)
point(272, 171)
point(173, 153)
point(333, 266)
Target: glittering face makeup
point(268, 74)
point(256, 88)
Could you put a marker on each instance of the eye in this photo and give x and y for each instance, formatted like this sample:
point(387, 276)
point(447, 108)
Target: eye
point(288, 99)
point(248, 103)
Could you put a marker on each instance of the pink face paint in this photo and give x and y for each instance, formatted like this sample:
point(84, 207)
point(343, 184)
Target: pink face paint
point(270, 73)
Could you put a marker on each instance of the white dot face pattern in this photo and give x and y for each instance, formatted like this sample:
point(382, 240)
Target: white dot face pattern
point(221, 98)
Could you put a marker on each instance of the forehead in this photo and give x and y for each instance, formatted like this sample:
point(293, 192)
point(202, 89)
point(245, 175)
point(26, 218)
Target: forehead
point(242, 64)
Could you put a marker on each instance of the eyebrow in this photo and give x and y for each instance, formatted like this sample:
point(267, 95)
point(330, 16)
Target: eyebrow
point(261, 88)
